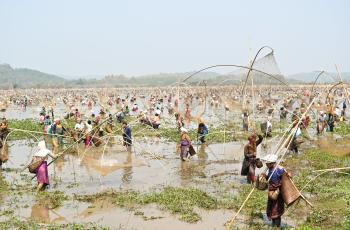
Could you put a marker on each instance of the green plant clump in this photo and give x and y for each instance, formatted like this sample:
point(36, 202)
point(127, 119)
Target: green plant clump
point(176, 200)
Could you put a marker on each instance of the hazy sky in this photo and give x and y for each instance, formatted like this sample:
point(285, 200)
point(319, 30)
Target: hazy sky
point(80, 37)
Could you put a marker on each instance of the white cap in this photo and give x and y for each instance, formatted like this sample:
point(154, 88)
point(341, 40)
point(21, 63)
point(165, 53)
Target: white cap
point(182, 129)
point(158, 112)
point(270, 158)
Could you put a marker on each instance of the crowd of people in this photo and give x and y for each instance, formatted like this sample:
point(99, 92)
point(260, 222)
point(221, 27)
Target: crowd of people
point(158, 108)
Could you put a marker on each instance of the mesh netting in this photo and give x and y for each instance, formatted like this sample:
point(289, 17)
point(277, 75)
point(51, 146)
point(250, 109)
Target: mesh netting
point(267, 64)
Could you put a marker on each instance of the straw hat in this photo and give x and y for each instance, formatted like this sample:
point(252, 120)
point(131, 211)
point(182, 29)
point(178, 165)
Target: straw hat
point(182, 129)
point(270, 158)
point(42, 145)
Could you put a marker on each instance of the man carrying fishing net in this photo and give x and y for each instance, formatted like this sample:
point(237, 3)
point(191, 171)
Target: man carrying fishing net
point(275, 201)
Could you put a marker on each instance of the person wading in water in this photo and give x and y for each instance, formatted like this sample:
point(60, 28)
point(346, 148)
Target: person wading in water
point(127, 141)
point(249, 162)
point(275, 202)
point(185, 143)
point(41, 171)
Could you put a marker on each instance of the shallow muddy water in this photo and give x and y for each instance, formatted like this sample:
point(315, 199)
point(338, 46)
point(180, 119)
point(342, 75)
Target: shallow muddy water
point(93, 170)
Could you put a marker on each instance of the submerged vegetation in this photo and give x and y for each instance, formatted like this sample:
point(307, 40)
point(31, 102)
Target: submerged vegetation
point(181, 201)
point(15, 223)
point(329, 192)
point(26, 124)
point(216, 135)
point(343, 129)
point(52, 199)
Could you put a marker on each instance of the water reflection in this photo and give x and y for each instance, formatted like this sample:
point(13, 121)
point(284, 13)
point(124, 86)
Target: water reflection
point(40, 213)
point(127, 171)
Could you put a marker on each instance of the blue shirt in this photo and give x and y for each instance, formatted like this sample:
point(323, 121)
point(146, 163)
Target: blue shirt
point(276, 177)
point(127, 132)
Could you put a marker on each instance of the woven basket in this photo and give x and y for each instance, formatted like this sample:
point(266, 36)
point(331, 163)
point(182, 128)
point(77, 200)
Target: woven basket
point(289, 191)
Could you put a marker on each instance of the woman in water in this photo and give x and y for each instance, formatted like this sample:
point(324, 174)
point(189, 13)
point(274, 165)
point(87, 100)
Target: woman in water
point(185, 143)
point(42, 174)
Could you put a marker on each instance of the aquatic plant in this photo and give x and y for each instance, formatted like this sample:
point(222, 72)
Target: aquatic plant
point(342, 128)
point(176, 200)
point(52, 199)
point(3, 184)
point(15, 223)
point(26, 124)
point(219, 134)
point(329, 193)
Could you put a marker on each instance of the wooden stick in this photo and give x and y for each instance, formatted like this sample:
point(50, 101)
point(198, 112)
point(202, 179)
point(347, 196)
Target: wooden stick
point(288, 141)
point(228, 225)
point(332, 169)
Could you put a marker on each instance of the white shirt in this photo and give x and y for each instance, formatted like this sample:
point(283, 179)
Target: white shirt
point(78, 127)
point(88, 127)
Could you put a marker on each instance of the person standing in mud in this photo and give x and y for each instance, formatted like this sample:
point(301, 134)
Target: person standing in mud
point(343, 110)
point(52, 113)
point(295, 116)
point(185, 143)
point(3, 134)
point(275, 202)
point(249, 162)
point(110, 124)
point(202, 132)
point(179, 121)
point(330, 122)
point(3, 130)
point(245, 120)
point(127, 139)
point(77, 115)
point(42, 174)
point(87, 131)
point(283, 114)
point(187, 115)
point(321, 123)
point(47, 124)
point(60, 130)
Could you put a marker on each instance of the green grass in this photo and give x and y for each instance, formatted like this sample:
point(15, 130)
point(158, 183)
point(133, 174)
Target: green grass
point(52, 199)
point(342, 128)
point(4, 187)
point(26, 124)
point(3, 184)
point(330, 192)
point(181, 201)
point(15, 223)
point(31, 125)
point(216, 135)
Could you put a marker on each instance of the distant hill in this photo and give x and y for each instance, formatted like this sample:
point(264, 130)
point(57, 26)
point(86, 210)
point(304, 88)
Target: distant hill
point(324, 78)
point(27, 78)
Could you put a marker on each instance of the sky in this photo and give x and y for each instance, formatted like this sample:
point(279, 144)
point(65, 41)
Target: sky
point(82, 37)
